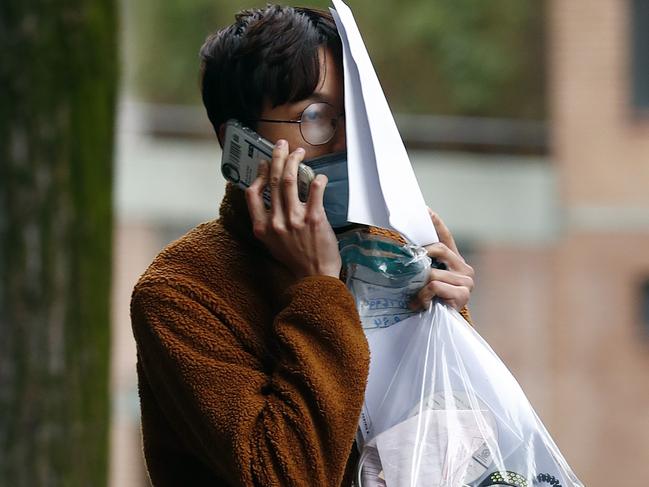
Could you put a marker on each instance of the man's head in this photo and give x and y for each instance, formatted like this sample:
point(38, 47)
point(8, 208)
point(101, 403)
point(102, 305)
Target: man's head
point(271, 64)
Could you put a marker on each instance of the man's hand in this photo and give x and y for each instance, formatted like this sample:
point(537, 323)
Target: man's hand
point(297, 234)
point(454, 284)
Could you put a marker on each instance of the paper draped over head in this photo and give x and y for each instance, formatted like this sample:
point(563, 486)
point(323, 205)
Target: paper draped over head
point(383, 189)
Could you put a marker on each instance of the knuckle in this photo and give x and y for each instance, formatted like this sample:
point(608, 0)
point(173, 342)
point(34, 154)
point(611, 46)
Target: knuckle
point(254, 189)
point(274, 181)
point(470, 283)
point(318, 183)
point(465, 294)
point(315, 218)
point(437, 249)
point(277, 226)
point(289, 179)
point(250, 192)
point(259, 230)
point(296, 221)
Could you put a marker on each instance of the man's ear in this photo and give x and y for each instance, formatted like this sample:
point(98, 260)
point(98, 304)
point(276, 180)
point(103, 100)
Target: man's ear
point(221, 134)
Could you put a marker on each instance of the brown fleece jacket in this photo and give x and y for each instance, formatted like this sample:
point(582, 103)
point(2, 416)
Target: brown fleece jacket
point(245, 376)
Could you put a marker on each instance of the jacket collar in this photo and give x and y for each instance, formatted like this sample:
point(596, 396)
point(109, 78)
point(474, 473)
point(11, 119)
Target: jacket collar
point(235, 218)
point(234, 215)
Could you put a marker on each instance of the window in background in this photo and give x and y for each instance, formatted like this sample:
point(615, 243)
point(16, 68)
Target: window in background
point(640, 54)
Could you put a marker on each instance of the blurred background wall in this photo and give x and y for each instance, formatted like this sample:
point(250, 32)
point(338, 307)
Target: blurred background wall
point(527, 122)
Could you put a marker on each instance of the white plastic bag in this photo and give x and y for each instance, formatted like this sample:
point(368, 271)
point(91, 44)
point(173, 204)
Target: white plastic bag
point(441, 409)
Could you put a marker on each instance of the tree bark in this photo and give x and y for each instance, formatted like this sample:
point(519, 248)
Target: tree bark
point(58, 81)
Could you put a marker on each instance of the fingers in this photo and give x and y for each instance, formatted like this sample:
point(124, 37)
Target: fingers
point(314, 206)
point(455, 296)
point(453, 285)
point(286, 209)
point(296, 234)
point(446, 250)
point(452, 259)
point(452, 278)
point(292, 203)
point(280, 152)
point(255, 199)
point(443, 232)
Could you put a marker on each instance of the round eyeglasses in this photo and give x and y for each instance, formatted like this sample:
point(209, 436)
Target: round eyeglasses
point(318, 122)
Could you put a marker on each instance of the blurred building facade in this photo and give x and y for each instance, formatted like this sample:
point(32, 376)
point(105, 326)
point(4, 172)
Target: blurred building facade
point(585, 360)
point(600, 131)
point(560, 242)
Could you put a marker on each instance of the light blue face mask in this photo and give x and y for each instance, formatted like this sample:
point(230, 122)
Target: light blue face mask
point(336, 195)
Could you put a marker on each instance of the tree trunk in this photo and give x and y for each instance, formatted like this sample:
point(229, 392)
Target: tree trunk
point(58, 82)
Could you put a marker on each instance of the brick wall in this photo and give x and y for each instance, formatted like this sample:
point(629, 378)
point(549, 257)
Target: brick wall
point(599, 143)
point(581, 293)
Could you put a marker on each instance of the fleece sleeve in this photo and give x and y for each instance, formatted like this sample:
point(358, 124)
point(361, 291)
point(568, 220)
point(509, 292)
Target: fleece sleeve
point(287, 419)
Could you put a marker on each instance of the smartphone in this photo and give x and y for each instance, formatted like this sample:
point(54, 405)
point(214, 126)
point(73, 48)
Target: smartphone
point(244, 149)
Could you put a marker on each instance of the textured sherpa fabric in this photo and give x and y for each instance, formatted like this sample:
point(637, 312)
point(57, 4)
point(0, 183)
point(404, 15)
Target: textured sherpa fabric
point(246, 377)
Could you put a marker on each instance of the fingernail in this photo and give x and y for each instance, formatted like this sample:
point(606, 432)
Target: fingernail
point(300, 150)
point(280, 144)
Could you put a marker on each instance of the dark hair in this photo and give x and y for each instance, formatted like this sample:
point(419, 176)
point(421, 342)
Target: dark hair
point(268, 55)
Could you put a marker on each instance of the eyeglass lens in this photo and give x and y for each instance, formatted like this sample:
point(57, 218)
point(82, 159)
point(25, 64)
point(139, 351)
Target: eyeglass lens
point(318, 123)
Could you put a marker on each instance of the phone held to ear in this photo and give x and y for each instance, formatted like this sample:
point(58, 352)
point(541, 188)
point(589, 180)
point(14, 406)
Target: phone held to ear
point(244, 149)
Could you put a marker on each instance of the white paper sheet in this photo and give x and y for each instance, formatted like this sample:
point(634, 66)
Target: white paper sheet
point(389, 344)
point(383, 189)
point(433, 449)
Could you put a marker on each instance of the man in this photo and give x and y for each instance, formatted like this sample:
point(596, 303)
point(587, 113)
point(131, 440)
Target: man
point(251, 359)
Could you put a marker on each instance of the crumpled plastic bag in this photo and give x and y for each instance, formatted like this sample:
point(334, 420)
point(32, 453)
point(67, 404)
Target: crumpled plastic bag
point(441, 409)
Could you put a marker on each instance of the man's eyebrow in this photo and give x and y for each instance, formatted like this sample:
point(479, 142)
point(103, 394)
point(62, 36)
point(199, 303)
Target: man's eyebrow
point(318, 97)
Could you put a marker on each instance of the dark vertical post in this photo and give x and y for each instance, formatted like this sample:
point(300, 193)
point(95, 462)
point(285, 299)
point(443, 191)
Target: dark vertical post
point(58, 84)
